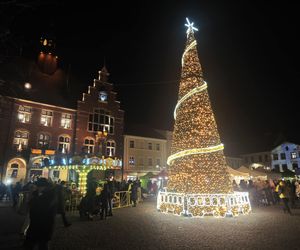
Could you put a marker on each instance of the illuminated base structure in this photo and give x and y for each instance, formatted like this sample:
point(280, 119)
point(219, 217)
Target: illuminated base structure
point(200, 205)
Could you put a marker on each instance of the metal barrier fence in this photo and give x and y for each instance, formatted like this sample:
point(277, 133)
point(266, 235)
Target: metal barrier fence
point(121, 199)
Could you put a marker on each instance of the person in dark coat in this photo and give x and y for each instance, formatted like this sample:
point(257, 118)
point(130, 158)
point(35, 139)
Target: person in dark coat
point(42, 211)
point(111, 190)
point(104, 198)
point(133, 194)
point(61, 194)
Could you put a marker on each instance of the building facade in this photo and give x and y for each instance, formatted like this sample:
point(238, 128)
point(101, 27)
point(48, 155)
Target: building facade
point(256, 160)
point(145, 151)
point(286, 157)
point(234, 162)
point(35, 135)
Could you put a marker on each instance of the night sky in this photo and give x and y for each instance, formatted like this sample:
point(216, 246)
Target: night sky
point(249, 53)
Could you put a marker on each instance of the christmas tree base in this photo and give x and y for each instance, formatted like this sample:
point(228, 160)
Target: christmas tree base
point(200, 205)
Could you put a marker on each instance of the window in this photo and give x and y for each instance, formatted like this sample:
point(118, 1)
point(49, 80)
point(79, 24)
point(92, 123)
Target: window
point(287, 148)
point(275, 157)
point(14, 168)
point(295, 165)
point(150, 145)
point(131, 160)
point(24, 114)
point(157, 162)
point(21, 139)
point(100, 120)
point(266, 158)
point(284, 167)
point(131, 144)
point(14, 173)
point(276, 167)
point(149, 161)
point(157, 147)
point(88, 146)
point(110, 148)
point(66, 121)
point(64, 144)
point(259, 158)
point(293, 155)
point(141, 161)
point(282, 156)
point(46, 118)
point(252, 159)
point(43, 140)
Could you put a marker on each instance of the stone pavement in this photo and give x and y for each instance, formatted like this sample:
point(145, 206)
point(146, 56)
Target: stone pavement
point(142, 227)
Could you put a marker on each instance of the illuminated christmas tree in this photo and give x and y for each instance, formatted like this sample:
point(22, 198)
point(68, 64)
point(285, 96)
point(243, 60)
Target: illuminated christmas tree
point(198, 181)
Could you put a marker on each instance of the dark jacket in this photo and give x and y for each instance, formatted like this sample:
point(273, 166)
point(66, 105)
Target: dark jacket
point(42, 211)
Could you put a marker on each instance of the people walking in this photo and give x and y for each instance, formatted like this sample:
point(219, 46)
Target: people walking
point(111, 191)
point(104, 198)
point(42, 211)
point(61, 194)
point(284, 194)
point(133, 194)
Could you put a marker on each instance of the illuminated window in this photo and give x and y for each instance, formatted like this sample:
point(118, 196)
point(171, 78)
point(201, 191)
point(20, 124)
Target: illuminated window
point(64, 144)
point(24, 114)
point(43, 140)
point(131, 160)
point(110, 148)
point(157, 147)
point(46, 117)
point(150, 145)
point(131, 144)
point(21, 139)
point(293, 155)
point(66, 121)
point(100, 120)
point(89, 145)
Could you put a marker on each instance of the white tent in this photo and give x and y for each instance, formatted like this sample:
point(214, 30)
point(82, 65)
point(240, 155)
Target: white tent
point(237, 175)
point(252, 173)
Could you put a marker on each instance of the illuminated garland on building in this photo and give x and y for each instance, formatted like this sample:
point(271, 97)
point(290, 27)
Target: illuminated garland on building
point(198, 182)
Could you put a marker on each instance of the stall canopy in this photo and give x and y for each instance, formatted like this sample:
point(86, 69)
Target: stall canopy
point(253, 173)
point(270, 174)
point(234, 172)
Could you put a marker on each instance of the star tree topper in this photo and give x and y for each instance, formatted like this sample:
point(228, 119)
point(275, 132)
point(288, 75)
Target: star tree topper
point(190, 26)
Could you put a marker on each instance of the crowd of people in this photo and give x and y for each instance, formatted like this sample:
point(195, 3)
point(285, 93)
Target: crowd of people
point(271, 192)
point(41, 199)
